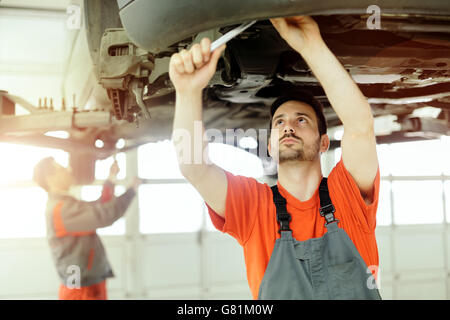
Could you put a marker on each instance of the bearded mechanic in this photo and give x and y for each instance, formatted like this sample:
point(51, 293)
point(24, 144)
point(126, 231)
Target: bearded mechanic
point(307, 237)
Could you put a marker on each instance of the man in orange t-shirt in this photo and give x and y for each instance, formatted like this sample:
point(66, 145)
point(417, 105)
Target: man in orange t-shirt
point(308, 237)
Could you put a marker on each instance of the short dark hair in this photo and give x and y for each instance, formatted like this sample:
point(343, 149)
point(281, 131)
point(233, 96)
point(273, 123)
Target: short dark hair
point(301, 95)
point(42, 170)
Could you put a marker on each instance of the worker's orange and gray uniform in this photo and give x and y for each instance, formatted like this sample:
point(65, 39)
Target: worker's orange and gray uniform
point(74, 243)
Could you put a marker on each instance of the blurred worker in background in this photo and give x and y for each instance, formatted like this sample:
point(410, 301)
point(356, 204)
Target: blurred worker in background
point(77, 250)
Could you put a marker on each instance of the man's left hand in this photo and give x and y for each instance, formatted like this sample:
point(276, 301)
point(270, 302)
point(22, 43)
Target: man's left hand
point(300, 32)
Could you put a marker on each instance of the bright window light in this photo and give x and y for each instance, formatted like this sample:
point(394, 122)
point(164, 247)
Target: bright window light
point(248, 143)
point(384, 217)
point(447, 199)
point(99, 143)
point(93, 193)
point(23, 212)
point(383, 154)
point(158, 161)
point(337, 155)
point(235, 160)
point(209, 225)
point(431, 112)
point(418, 158)
point(339, 134)
point(28, 68)
point(58, 134)
point(18, 161)
point(159, 213)
point(445, 140)
point(418, 202)
point(120, 143)
point(102, 167)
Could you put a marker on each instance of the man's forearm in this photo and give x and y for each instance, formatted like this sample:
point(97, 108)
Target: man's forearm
point(345, 97)
point(188, 131)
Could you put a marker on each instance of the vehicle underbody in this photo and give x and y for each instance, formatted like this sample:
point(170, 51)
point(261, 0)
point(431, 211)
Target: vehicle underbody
point(403, 67)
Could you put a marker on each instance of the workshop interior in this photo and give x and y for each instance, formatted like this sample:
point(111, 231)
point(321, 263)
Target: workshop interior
point(87, 83)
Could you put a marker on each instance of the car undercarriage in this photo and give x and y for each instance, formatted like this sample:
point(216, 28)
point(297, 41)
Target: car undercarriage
point(402, 66)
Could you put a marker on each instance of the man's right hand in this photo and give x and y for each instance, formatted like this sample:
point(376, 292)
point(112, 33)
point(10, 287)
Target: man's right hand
point(190, 71)
point(113, 171)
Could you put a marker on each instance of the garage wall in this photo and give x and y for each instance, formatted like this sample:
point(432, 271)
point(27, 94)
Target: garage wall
point(414, 262)
point(413, 265)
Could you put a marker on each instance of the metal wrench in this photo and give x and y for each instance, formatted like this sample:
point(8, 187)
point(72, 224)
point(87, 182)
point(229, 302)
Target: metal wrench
point(230, 35)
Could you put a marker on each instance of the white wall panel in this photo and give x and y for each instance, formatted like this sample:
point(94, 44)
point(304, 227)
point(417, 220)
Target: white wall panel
point(225, 260)
point(384, 249)
point(415, 251)
point(170, 261)
point(27, 269)
point(174, 266)
point(386, 292)
point(423, 290)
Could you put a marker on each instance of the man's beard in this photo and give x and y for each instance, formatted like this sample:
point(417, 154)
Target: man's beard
point(304, 153)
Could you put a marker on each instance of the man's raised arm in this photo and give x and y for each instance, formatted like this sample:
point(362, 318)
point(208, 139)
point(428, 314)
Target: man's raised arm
point(358, 143)
point(190, 72)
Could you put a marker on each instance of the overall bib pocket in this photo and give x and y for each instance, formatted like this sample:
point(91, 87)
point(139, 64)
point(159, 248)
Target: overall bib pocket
point(341, 277)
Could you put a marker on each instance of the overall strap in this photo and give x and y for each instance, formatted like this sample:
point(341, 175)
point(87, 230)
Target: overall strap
point(283, 217)
point(326, 206)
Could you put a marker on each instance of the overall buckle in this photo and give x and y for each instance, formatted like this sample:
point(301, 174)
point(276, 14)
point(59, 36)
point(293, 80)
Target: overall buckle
point(328, 213)
point(284, 219)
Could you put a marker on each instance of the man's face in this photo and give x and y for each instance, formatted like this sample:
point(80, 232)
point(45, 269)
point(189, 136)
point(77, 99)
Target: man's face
point(61, 178)
point(295, 133)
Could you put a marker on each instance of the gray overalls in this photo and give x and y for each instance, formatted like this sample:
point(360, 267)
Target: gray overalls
point(75, 242)
point(325, 268)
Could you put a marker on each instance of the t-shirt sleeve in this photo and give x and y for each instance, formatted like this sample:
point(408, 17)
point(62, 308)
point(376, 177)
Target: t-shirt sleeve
point(347, 189)
point(243, 202)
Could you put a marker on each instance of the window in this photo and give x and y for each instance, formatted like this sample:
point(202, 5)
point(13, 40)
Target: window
point(447, 199)
point(414, 201)
point(102, 167)
point(383, 159)
point(417, 202)
point(382, 154)
point(446, 150)
point(235, 160)
point(384, 217)
point(419, 158)
point(337, 155)
point(169, 208)
point(30, 69)
point(209, 225)
point(21, 159)
point(23, 212)
point(178, 207)
point(23, 206)
point(158, 161)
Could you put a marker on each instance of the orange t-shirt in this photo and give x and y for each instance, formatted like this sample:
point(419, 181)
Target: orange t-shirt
point(250, 217)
